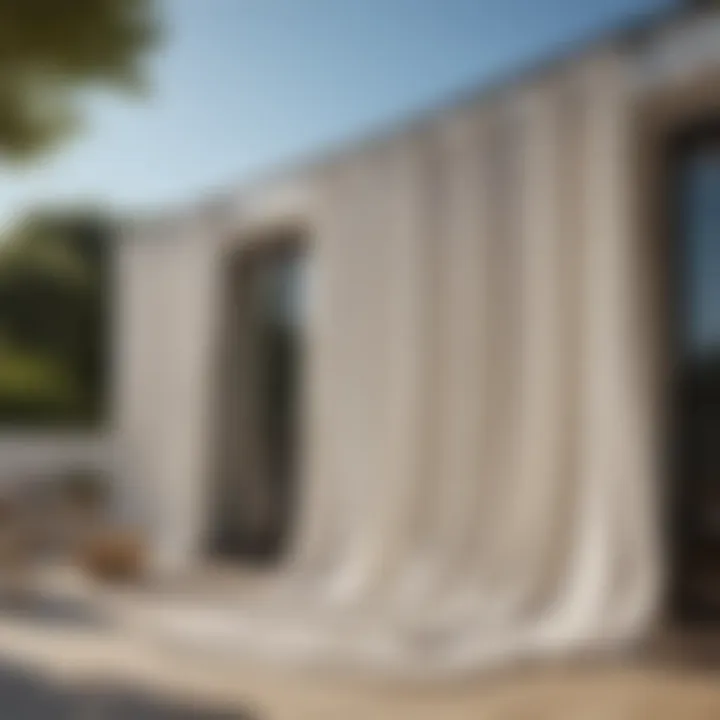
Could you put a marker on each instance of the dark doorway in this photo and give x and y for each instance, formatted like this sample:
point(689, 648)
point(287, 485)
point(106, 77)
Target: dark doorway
point(260, 393)
point(695, 500)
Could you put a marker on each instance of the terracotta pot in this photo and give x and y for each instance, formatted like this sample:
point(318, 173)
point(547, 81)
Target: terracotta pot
point(113, 555)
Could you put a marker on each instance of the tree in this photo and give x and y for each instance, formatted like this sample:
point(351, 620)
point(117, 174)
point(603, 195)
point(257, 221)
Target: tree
point(51, 51)
point(54, 266)
point(54, 321)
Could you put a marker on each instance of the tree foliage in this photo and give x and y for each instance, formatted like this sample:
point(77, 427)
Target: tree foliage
point(53, 50)
point(54, 323)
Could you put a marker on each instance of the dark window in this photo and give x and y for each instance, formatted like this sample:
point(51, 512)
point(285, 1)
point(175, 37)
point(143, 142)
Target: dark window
point(695, 199)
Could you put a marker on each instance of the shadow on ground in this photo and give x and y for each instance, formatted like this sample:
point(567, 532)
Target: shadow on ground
point(48, 610)
point(25, 695)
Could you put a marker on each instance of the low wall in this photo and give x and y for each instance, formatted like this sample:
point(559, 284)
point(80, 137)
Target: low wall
point(32, 454)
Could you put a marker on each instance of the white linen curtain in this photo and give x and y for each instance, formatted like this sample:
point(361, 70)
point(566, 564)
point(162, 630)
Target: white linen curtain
point(479, 481)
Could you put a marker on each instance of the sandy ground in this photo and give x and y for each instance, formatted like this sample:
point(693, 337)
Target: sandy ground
point(64, 671)
point(59, 664)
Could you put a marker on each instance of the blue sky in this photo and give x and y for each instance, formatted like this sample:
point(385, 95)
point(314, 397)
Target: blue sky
point(242, 86)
